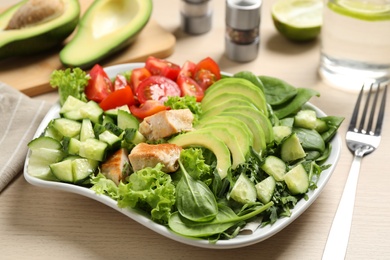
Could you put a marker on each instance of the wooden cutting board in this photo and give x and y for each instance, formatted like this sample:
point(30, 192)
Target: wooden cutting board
point(31, 74)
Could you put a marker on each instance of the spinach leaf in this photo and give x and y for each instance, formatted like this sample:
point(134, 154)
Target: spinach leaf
point(333, 123)
point(277, 91)
point(303, 95)
point(310, 139)
point(225, 219)
point(194, 199)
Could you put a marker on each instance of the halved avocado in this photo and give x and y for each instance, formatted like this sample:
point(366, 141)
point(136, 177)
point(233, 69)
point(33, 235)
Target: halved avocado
point(39, 36)
point(107, 27)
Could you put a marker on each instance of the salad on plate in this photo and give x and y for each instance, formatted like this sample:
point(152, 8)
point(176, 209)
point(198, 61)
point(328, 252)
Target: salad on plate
point(203, 153)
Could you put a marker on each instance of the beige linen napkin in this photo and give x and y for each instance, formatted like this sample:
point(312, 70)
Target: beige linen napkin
point(20, 117)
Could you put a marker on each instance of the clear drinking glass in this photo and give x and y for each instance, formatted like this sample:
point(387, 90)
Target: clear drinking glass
point(355, 43)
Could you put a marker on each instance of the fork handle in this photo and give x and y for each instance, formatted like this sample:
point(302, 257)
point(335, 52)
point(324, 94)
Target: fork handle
point(337, 243)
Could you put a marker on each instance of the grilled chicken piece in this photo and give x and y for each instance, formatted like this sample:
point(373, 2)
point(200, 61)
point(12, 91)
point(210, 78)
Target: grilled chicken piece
point(166, 123)
point(148, 155)
point(114, 168)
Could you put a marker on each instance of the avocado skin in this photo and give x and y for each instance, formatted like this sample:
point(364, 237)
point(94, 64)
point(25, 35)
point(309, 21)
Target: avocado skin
point(40, 41)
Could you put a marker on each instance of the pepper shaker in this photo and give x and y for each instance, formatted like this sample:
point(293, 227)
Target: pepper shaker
point(242, 37)
point(196, 16)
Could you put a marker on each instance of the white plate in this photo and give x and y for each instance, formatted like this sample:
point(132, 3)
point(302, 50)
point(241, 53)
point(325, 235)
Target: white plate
point(240, 241)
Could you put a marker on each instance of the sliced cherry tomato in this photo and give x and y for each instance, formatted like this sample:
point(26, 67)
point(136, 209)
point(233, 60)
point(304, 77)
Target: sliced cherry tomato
point(99, 85)
point(157, 88)
point(150, 107)
point(189, 87)
point(207, 72)
point(138, 75)
point(162, 67)
point(120, 97)
point(188, 69)
point(120, 82)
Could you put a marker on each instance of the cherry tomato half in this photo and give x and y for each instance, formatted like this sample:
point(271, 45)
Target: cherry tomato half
point(207, 72)
point(99, 85)
point(150, 107)
point(120, 97)
point(187, 69)
point(189, 87)
point(157, 88)
point(138, 75)
point(120, 82)
point(162, 67)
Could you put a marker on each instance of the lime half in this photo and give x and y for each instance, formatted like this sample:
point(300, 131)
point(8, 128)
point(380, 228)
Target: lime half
point(298, 20)
point(364, 10)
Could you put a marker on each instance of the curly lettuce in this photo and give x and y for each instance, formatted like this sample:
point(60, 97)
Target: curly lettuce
point(70, 82)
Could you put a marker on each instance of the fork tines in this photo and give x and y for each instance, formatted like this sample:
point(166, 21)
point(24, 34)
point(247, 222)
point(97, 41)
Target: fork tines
point(362, 126)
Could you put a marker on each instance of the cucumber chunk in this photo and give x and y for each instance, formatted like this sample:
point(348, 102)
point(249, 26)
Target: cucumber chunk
point(67, 127)
point(82, 168)
point(244, 190)
point(74, 146)
point(63, 170)
point(297, 180)
point(274, 167)
point(71, 104)
point(93, 111)
point(112, 140)
point(281, 132)
point(291, 149)
point(86, 130)
point(265, 189)
point(306, 119)
point(127, 120)
point(93, 149)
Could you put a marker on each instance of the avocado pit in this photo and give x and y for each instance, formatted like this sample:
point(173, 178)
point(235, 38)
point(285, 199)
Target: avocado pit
point(36, 12)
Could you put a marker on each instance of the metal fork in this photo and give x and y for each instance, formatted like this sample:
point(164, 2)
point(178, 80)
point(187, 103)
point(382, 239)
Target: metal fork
point(362, 139)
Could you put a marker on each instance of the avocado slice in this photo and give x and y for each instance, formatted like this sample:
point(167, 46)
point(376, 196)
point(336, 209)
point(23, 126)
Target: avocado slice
point(209, 141)
point(237, 86)
point(39, 36)
point(231, 103)
point(106, 27)
point(241, 131)
point(259, 143)
point(226, 97)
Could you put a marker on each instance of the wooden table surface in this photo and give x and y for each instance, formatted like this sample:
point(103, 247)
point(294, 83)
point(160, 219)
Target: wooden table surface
point(37, 223)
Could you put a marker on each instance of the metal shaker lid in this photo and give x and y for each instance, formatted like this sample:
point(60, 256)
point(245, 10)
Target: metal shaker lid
point(243, 14)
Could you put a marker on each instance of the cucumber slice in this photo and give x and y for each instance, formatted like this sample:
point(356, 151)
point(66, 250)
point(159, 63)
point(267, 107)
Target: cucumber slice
point(52, 132)
point(67, 127)
point(39, 162)
point(86, 130)
point(265, 189)
point(127, 120)
point(274, 167)
point(93, 111)
point(297, 180)
point(44, 142)
point(244, 190)
point(93, 149)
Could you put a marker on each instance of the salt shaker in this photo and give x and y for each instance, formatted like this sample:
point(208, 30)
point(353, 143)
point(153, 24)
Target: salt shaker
point(196, 16)
point(242, 37)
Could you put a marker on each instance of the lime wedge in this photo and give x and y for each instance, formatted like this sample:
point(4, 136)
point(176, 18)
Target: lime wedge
point(364, 10)
point(298, 20)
